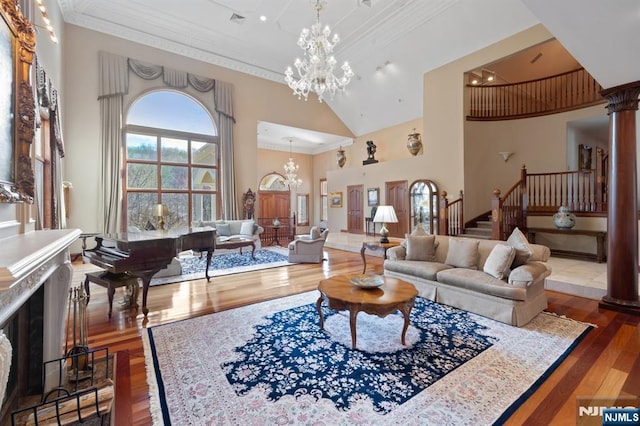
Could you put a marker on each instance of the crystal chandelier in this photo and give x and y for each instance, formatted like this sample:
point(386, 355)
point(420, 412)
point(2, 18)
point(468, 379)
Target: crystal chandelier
point(316, 68)
point(290, 172)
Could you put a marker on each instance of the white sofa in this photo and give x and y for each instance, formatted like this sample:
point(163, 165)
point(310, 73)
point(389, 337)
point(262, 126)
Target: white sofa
point(246, 228)
point(512, 294)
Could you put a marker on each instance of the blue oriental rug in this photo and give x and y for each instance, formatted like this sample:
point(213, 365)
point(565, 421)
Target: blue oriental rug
point(269, 363)
point(290, 355)
point(227, 262)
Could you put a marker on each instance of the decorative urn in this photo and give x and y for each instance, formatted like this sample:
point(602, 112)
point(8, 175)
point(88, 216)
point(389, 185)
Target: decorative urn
point(276, 223)
point(564, 219)
point(342, 158)
point(414, 143)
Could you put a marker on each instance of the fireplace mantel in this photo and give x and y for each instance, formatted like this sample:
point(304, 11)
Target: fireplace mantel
point(27, 261)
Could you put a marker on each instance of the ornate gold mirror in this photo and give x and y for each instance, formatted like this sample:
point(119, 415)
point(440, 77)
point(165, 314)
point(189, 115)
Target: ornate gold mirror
point(17, 109)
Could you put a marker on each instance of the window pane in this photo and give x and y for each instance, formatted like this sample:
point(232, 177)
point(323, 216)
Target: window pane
point(303, 209)
point(139, 209)
point(174, 177)
point(204, 207)
point(178, 206)
point(142, 147)
point(142, 176)
point(203, 179)
point(174, 150)
point(323, 187)
point(204, 153)
point(324, 208)
point(171, 110)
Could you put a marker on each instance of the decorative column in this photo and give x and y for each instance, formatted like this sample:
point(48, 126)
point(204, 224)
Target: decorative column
point(622, 247)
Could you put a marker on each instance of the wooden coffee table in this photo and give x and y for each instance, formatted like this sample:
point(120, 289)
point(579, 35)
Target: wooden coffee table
point(393, 295)
point(238, 243)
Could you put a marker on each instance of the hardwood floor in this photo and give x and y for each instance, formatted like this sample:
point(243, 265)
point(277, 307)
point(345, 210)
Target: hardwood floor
point(606, 363)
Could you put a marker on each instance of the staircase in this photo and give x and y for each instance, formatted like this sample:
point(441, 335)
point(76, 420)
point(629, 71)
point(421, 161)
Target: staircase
point(479, 228)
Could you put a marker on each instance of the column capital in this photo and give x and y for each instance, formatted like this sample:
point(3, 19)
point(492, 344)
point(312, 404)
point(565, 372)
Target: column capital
point(621, 98)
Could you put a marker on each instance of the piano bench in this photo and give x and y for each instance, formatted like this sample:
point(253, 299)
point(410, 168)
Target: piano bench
point(111, 281)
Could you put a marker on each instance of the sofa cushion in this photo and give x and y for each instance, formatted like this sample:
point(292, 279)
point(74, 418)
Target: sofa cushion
point(523, 249)
point(314, 233)
point(425, 270)
point(247, 228)
point(421, 247)
point(499, 261)
point(463, 253)
point(481, 282)
point(223, 229)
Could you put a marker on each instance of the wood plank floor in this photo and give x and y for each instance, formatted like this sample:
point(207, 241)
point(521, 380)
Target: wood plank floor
point(606, 363)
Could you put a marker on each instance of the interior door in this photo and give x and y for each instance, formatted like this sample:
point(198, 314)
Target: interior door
point(397, 195)
point(274, 204)
point(355, 207)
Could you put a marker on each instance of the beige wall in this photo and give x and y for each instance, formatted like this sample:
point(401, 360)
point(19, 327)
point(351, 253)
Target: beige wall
point(540, 143)
point(444, 135)
point(255, 99)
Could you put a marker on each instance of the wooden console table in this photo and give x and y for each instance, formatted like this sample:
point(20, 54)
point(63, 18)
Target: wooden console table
point(600, 236)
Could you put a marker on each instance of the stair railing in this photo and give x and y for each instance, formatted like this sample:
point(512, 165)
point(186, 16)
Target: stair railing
point(451, 215)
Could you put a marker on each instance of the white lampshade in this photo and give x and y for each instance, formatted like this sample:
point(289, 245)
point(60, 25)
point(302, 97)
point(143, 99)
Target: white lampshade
point(385, 214)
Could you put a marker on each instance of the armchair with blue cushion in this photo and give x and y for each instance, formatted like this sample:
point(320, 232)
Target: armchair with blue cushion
point(308, 248)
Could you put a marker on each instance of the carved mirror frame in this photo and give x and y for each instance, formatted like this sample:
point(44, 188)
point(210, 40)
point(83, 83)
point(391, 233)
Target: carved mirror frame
point(17, 128)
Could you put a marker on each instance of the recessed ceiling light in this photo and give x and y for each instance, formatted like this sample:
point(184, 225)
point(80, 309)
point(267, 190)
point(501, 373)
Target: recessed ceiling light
point(263, 18)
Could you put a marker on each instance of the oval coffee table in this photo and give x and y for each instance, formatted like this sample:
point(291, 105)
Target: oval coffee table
point(393, 295)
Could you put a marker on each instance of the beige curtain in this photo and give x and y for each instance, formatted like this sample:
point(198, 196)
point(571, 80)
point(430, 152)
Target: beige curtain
point(114, 84)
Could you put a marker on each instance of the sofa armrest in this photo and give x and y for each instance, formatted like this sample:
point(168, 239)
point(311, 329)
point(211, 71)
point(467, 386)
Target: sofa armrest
point(259, 230)
point(540, 253)
point(397, 253)
point(524, 275)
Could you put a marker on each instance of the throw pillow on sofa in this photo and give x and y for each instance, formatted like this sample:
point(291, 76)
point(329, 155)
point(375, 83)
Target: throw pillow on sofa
point(247, 228)
point(463, 253)
point(524, 251)
point(421, 247)
point(223, 229)
point(499, 261)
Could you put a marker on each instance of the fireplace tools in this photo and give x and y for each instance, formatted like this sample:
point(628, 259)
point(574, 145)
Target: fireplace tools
point(80, 367)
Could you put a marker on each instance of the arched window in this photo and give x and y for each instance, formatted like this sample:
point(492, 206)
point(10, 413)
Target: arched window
point(172, 157)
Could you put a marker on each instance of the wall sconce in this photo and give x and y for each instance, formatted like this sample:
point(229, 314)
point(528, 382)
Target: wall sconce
point(160, 211)
point(505, 155)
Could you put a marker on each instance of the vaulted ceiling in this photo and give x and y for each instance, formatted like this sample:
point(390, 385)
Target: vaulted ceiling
point(389, 44)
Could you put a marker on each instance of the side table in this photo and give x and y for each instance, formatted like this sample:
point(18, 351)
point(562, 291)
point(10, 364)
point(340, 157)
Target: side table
point(375, 246)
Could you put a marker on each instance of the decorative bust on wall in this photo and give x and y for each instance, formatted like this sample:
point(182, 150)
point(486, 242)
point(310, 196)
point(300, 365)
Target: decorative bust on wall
point(371, 151)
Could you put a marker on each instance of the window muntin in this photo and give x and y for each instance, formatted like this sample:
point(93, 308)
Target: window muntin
point(171, 167)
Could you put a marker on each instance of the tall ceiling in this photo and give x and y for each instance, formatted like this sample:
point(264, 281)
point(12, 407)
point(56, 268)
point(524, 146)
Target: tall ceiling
point(389, 44)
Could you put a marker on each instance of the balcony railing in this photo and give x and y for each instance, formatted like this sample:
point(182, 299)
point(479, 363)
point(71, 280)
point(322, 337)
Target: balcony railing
point(563, 92)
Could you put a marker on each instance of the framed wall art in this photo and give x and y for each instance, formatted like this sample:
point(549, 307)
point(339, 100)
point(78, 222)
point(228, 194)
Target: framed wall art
point(335, 199)
point(372, 196)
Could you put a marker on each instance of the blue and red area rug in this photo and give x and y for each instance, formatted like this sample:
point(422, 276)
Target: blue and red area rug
point(269, 363)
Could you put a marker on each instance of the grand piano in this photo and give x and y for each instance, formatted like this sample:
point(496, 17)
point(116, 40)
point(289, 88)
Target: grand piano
point(142, 254)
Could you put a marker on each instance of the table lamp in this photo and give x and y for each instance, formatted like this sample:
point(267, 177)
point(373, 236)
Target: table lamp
point(384, 215)
point(159, 211)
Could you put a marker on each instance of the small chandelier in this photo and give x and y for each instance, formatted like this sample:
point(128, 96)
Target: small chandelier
point(290, 172)
point(316, 68)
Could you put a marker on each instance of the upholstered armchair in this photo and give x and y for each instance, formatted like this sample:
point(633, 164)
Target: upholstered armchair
point(308, 248)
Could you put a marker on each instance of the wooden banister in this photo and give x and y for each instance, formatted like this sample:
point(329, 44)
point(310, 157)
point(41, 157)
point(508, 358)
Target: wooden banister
point(451, 215)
